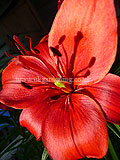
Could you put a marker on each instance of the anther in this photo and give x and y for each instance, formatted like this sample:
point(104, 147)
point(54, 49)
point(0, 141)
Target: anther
point(92, 62)
point(17, 42)
point(9, 55)
point(87, 74)
point(56, 52)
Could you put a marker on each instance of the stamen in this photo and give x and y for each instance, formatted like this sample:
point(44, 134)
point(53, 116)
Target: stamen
point(56, 52)
point(67, 73)
point(44, 39)
point(19, 48)
point(51, 69)
point(87, 74)
point(29, 41)
point(9, 55)
point(92, 62)
point(61, 39)
point(60, 63)
point(77, 39)
point(58, 67)
point(16, 39)
point(35, 51)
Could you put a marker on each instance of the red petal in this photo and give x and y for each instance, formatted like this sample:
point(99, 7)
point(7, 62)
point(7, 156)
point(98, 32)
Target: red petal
point(42, 48)
point(86, 34)
point(16, 93)
point(107, 94)
point(118, 28)
point(32, 118)
point(4, 107)
point(75, 128)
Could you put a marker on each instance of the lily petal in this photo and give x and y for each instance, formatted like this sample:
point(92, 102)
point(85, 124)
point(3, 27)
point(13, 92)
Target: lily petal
point(107, 94)
point(86, 36)
point(24, 87)
point(4, 107)
point(43, 50)
point(32, 118)
point(118, 19)
point(75, 128)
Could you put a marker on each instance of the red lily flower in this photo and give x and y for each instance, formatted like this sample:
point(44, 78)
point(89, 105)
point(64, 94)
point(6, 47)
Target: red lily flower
point(65, 91)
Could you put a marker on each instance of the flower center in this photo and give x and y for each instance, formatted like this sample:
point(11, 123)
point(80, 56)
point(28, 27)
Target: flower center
point(55, 80)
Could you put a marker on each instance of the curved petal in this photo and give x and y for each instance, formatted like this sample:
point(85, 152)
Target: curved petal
point(4, 107)
point(107, 94)
point(23, 84)
point(75, 128)
point(32, 118)
point(86, 36)
point(43, 50)
point(22, 66)
point(118, 29)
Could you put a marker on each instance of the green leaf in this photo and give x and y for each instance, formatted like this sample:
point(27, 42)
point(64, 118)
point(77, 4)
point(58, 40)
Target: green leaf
point(112, 151)
point(113, 129)
point(8, 152)
point(30, 138)
point(44, 155)
point(117, 70)
point(117, 126)
point(8, 137)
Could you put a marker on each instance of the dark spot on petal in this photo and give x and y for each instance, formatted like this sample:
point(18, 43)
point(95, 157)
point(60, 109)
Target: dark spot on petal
point(87, 74)
point(27, 68)
point(56, 52)
point(55, 97)
point(61, 39)
point(92, 61)
point(26, 85)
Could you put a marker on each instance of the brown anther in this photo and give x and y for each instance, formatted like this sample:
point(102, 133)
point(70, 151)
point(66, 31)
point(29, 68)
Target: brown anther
point(56, 52)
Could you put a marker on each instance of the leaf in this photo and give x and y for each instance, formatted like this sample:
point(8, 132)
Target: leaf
point(112, 151)
point(117, 70)
point(30, 138)
point(114, 130)
point(44, 155)
point(8, 152)
point(117, 126)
